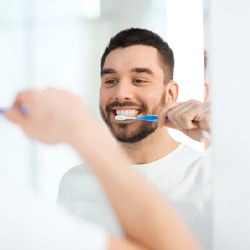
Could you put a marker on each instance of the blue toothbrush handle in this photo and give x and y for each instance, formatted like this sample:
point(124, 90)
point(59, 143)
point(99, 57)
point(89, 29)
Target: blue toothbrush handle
point(149, 118)
point(2, 111)
point(22, 109)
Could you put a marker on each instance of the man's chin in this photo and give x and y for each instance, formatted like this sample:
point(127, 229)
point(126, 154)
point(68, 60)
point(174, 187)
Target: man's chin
point(132, 139)
point(127, 140)
point(126, 134)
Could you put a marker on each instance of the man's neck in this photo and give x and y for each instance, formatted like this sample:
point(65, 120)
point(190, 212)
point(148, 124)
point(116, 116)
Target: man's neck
point(152, 148)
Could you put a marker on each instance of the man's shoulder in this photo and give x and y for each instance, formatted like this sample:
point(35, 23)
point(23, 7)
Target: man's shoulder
point(191, 157)
point(78, 182)
point(188, 164)
point(78, 170)
point(76, 177)
point(184, 156)
point(190, 151)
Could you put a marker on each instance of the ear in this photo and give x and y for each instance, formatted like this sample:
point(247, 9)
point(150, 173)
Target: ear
point(206, 92)
point(172, 90)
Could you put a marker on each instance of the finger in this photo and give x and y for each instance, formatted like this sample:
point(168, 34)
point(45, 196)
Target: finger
point(24, 98)
point(183, 115)
point(164, 113)
point(14, 114)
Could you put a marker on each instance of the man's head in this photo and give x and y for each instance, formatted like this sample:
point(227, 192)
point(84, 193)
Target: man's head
point(136, 71)
point(137, 36)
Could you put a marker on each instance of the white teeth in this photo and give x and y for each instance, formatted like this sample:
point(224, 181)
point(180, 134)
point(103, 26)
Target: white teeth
point(127, 112)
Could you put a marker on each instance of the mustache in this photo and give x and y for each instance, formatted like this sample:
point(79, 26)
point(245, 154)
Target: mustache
point(123, 104)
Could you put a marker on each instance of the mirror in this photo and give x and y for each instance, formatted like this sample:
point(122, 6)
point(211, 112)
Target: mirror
point(45, 43)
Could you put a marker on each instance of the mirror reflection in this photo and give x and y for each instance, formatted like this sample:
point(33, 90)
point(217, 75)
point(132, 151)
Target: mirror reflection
point(44, 43)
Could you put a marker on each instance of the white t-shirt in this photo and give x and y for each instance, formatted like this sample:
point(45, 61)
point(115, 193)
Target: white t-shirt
point(183, 177)
point(29, 223)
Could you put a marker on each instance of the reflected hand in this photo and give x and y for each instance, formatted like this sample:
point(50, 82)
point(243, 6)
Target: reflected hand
point(190, 117)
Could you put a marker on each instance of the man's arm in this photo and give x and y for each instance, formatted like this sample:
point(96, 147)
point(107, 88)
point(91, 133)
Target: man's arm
point(145, 217)
point(29, 222)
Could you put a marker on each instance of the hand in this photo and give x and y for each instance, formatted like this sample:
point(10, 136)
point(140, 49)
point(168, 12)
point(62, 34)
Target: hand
point(53, 115)
point(189, 117)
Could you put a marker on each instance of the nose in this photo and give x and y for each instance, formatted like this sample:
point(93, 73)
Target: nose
point(124, 90)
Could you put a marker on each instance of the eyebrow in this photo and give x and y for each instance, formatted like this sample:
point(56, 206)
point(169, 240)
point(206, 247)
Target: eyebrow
point(107, 71)
point(136, 70)
point(142, 70)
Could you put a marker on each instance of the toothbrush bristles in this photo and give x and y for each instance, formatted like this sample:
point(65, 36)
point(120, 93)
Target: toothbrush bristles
point(124, 117)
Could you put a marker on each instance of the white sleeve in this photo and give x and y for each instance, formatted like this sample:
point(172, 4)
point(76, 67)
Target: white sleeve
point(29, 223)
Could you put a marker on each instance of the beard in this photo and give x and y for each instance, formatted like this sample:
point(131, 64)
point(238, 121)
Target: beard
point(121, 130)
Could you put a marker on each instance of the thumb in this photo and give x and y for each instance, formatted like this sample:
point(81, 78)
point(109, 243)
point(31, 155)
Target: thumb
point(164, 121)
point(164, 113)
point(15, 116)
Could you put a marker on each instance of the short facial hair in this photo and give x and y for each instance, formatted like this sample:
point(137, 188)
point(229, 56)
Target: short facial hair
point(144, 130)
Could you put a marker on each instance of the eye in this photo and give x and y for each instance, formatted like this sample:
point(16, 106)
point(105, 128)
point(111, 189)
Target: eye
point(139, 81)
point(110, 81)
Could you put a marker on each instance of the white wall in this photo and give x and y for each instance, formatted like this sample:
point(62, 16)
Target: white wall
point(229, 58)
point(184, 33)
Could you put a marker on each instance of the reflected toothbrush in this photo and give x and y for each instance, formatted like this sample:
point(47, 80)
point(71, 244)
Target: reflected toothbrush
point(149, 118)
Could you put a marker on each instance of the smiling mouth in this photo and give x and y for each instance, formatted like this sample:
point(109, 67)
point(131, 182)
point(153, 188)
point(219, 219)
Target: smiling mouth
point(129, 112)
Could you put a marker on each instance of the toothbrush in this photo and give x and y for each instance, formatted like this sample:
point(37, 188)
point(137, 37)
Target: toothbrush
point(141, 118)
point(3, 110)
point(22, 109)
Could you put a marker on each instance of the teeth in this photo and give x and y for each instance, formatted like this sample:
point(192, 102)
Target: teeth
point(127, 112)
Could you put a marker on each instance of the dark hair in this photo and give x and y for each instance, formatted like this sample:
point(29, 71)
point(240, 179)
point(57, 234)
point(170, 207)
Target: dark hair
point(137, 36)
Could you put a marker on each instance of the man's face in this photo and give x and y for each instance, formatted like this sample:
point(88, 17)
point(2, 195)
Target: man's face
point(132, 84)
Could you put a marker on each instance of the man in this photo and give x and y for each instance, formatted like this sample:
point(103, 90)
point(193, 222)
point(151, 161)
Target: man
point(27, 223)
point(137, 79)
